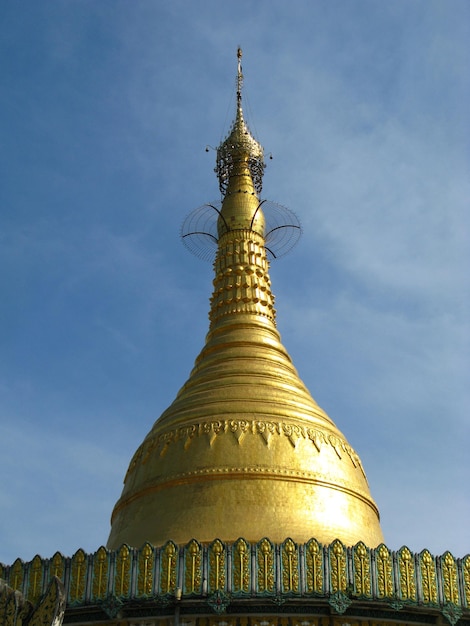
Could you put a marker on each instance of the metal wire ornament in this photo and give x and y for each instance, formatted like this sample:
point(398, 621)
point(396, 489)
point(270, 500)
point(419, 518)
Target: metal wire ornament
point(199, 230)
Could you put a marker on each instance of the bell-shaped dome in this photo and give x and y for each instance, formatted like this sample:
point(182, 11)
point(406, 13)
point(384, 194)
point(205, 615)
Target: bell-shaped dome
point(244, 450)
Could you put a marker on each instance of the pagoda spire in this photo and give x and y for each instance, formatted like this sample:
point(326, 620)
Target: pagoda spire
point(242, 283)
point(244, 450)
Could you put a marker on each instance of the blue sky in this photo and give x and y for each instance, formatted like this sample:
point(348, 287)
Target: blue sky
point(105, 112)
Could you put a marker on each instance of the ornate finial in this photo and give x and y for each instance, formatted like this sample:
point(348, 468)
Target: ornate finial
point(239, 78)
point(240, 146)
point(239, 168)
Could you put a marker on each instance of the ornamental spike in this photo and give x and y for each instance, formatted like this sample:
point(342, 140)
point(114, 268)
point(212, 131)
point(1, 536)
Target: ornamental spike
point(239, 146)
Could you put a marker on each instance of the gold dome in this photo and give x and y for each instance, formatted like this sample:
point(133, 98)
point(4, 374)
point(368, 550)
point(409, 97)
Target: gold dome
point(244, 450)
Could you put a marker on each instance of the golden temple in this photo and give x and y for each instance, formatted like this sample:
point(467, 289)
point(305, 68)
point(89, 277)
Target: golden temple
point(244, 505)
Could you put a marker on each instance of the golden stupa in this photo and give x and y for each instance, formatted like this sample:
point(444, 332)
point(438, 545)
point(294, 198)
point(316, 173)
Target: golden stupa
point(268, 502)
point(244, 450)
